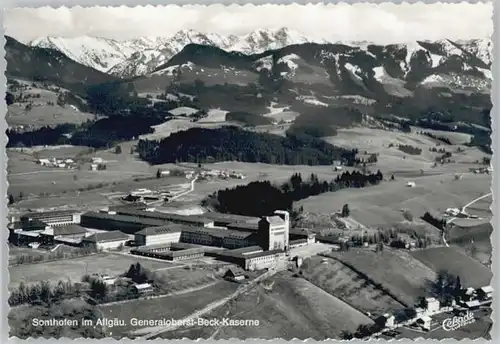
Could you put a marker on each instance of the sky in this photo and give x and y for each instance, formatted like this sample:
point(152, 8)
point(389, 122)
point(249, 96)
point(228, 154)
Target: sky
point(378, 23)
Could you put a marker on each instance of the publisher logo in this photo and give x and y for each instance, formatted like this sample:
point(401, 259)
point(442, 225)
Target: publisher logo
point(452, 324)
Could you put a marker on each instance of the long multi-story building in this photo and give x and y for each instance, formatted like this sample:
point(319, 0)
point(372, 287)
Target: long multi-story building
point(53, 218)
point(159, 235)
point(124, 223)
point(191, 220)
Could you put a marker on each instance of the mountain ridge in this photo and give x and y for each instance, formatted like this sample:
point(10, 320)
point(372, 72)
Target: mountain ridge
point(143, 55)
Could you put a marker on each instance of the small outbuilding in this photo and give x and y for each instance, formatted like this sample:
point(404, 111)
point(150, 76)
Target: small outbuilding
point(235, 274)
point(425, 322)
point(144, 288)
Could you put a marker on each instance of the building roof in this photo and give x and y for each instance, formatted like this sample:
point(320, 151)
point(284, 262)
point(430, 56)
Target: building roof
point(136, 205)
point(238, 234)
point(218, 233)
point(33, 234)
point(247, 250)
point(426, 318)
point(298, 241)
point(170, 228)
point(263, 254)
point(107, 237)
point(148, 222)
point(66, 230)
point(48, 213)
point(232, 253)
point(474, 303)
point(235, 271)
point(29, 225)
point(274, 220)
point(229, 218)
point(189, 251)
point(487, 289)
point(165, 216)
point(245, 226)
point(301, 231)
point(142, 286)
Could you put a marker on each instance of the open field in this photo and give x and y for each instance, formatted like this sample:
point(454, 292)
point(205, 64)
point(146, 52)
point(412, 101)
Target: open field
point(381, 204)
point(393, 161)
point(170, 307)
point(472, 273)
point(474, 237)
point(124, 172)
point(286, 307)
point(405, 277)
point(45, 110)
point(346, 284)
point(74, 269)
point(15, 252)
point(253, 172)
point(454, 137)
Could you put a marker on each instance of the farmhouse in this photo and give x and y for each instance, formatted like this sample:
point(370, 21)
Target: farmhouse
point(485, 293)
point(433, 305)
point(159, 235)
point(53, 218)
point(453, 211)
point(143, 288)
point(105, 278)
point(389, 320)
point(97, 160)
point(425, 322)
point(43, 162)
point(106, 240)
point(302, 233)
point(235, 275)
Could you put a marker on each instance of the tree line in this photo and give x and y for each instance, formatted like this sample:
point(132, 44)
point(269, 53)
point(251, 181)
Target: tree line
point(263, 198)
point(232, 143)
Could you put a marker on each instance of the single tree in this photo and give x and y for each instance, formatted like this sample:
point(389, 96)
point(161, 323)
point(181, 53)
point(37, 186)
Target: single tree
point(118, 150)
point(158, 174)
point(345, 210)
point(392, 177)
point(408, 216)
point(11, 199)
point(9, 98)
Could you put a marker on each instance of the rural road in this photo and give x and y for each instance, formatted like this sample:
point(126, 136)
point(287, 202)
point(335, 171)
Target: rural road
point(38, 172)
point(463, 210)
point(151, 332)
point(186, 192)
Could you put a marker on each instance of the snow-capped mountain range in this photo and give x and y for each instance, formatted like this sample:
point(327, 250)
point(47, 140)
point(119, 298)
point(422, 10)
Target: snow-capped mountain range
point(143, 55)
point(140, 56)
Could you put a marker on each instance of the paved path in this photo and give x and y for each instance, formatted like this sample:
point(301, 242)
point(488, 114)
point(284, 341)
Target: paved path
point(151, 332)
point(463, 210)
point(185, 192)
